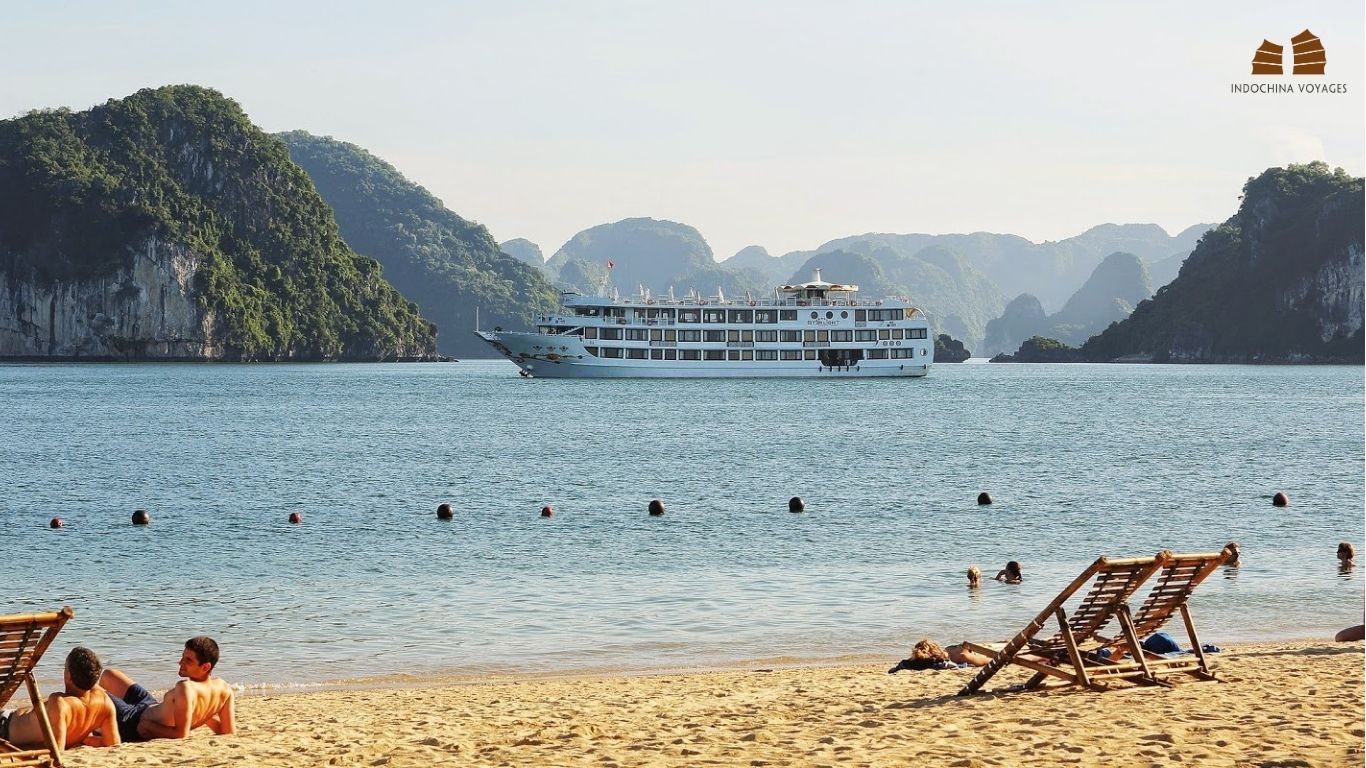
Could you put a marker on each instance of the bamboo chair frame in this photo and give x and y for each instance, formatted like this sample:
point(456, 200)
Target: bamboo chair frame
point(1073, 653)
point(23, 640)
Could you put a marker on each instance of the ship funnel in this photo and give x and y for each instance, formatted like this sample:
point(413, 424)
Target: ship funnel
point(816, 275)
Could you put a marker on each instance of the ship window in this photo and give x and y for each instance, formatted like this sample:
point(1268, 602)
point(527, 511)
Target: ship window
point(714, 316)
point(844, 315)
point(670, 354)
point(637, 334)
point(636, 354)
point(747, 336)
point(671, 335)
point(884, 334)
point(590, 333)
point(687, 317)
point(690, 335)
point(762, 336)
point(741, 315)
point(746, 354)
point(865, 335)
point(877, 354)
point(841, 335)
point(666, 314)
point(814, 315)
point(713, 335)
point(829, 315)
point(714, 354)
point(766, 316)
point(611, 351)
point(733, 336)
point(733, 354)
point(787, 314)
point(765, 354)
point(592, 351)
point(915, 333)
point(861, 315)
point(689, 354)
point(808, 354)
point(897, 333)
point(656, 334)
point(808, 335)
point(791, 335)
point(656, 354)
point(792, 354)
point(823, 336)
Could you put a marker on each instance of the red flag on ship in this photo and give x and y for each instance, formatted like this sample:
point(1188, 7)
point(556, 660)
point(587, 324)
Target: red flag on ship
point(611, 263)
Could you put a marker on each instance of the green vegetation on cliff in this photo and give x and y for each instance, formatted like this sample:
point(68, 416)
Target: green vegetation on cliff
point(1281, 280)
point(448, 265)
point(184, 165)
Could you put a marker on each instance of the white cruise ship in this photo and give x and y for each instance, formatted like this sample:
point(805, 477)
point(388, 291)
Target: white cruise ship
point(809, 329)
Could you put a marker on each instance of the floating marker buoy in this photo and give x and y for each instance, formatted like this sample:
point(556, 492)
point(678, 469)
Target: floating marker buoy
point(140, 517)
point(795, 504)
point(295, 518)
point(57, 522)
point(547, 511)
point(443, 511)
point(1280, 499)
point(656, 507)
point(983, 498)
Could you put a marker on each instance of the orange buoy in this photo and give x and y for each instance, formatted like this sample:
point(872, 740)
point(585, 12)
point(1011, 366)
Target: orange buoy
point(656, 507)
point(296, 517)
point(56, 522)
point(547, 511)
point(1280, 499)
point(443, 511)
point(140, 517)
point(795, 504)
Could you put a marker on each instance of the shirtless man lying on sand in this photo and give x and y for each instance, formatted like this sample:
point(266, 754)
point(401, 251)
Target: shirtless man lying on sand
point(75, 714)
point(197, 700)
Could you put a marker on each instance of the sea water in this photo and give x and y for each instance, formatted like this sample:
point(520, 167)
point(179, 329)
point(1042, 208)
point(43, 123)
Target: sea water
point(1082, 460)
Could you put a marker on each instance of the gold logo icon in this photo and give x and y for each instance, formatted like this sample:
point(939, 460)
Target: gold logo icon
point(1307, 52)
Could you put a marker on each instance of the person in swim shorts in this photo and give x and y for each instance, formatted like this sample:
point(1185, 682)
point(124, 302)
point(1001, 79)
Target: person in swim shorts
point(198, 700)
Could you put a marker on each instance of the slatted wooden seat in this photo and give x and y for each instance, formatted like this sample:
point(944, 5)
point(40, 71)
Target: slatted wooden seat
point(1068, 653)
point(1169, 595)
point(23, 640)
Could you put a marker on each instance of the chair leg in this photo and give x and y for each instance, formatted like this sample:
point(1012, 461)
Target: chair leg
point(51, 738)
point(1126, 623)
point(1203, 672)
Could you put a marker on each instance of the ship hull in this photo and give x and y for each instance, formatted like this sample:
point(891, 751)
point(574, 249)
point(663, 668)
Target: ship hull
point(558, 357)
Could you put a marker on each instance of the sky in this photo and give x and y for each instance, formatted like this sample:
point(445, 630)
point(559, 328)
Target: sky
point(779, 124)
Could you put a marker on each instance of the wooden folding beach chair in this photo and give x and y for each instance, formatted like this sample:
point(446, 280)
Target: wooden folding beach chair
point(23, 639)
point(1071, 653)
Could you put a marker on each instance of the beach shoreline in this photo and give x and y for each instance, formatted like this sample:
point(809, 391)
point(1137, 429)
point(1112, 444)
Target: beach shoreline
point(1275, 704)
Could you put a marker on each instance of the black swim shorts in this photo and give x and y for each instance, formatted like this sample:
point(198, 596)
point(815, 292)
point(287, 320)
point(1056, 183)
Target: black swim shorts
point(129, 711)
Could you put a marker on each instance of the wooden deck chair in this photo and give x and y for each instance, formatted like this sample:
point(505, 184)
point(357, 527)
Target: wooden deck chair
point(1170, 594)
point(23, 639)
point(1071, 653)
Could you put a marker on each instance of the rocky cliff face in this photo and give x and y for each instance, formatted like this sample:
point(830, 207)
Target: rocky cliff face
point(1279, 281)
point(166, 225)
point(147, 311)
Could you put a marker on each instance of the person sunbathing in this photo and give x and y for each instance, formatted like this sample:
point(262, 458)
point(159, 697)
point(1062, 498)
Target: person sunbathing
point(198, 700)
point(82, 714)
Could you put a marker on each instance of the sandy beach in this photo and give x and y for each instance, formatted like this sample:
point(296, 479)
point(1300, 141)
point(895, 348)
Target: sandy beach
point(1287, 704)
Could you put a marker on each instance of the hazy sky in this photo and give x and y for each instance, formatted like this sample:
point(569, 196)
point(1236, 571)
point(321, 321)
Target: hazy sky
point(781, 124)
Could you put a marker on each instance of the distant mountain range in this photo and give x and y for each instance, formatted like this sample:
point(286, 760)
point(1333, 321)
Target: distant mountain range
point(962, 281)
point(167, 226)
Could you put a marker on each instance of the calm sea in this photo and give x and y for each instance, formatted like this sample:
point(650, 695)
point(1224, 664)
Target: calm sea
point(1081, 460)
